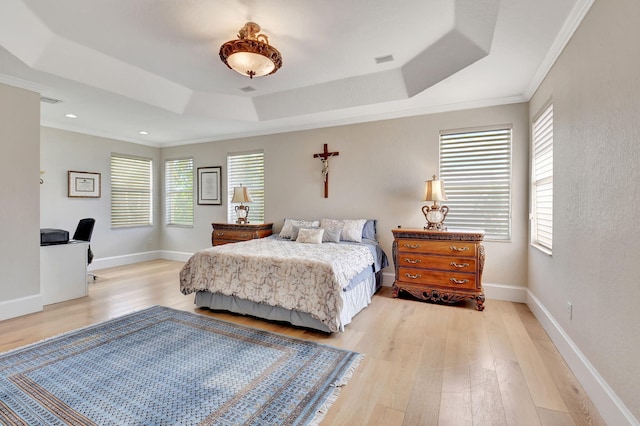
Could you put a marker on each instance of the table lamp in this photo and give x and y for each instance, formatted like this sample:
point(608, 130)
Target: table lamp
point(241, 195)
point(436, 213)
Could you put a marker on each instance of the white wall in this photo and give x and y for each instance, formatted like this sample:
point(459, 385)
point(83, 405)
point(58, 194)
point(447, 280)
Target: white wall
point(62, 151)
point(20, 207)
point(595, 86)
point(379, 174)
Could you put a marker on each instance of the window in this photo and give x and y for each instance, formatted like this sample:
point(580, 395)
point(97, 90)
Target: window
point(246, 168)
point(178, 183)
point(542, 180)
point(130, 191)
point(476, 169)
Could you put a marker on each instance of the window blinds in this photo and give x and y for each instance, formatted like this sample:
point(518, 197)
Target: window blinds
point(476, 169)
point(178, 178)
point(542, 180)
point(130, 191)
point(247, 169)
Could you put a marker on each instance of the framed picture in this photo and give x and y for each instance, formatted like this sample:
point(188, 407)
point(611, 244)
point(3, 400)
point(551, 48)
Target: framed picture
point(209, 185)
point(84, 184)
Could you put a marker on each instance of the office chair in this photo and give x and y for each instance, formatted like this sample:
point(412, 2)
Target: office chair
point(83, 233)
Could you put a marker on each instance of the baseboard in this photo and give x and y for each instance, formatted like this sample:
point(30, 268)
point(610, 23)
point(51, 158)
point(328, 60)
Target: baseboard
point(22, 306)
point(127, 259)
point(508, 293)
point(175, 255)
point(610, 407)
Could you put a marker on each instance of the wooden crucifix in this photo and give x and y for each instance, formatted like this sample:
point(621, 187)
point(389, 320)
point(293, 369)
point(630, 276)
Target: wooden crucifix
point(324, 157)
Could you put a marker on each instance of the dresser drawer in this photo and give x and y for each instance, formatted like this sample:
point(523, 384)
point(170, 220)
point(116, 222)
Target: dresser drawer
point(225, 233)
point(449, 279)
point(443, 263)
point(457, 248)
point(233, 234)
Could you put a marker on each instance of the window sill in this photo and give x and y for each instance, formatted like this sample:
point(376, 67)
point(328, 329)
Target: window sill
point(542, 249)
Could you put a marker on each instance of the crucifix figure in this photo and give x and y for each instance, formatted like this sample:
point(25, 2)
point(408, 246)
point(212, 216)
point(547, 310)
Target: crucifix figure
point(324, 157)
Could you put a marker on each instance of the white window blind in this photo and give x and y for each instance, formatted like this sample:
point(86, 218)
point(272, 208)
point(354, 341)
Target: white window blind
point(476, 169)
point(542, 180)
point(246, 168)
point(178, 179)
point(130, 191)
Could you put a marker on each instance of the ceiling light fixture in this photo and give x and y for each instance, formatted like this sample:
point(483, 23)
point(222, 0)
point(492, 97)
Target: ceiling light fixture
point(143, 132)
point(71, 116)
point(251, 54)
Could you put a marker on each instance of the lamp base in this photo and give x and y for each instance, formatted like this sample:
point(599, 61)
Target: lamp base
point(435, 216)
point(435, 227)
point(242, 212)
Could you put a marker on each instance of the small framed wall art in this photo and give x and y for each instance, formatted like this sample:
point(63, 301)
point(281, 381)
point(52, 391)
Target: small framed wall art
point(84, 184)
point(209, 186)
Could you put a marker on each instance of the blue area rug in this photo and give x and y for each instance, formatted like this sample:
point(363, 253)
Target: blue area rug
point(161, 366)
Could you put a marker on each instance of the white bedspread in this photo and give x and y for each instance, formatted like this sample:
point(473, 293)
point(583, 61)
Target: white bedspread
point(297, 276)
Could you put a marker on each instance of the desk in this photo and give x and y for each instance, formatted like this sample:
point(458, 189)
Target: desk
point(63, 272)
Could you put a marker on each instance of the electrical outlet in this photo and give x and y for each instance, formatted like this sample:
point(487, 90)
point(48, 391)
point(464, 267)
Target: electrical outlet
point(570, 310)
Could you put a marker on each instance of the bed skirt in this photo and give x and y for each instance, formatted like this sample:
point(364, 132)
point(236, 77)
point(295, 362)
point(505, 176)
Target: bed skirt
point(354, 300)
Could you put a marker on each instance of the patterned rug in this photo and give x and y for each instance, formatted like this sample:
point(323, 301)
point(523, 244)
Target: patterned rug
point(161, 366)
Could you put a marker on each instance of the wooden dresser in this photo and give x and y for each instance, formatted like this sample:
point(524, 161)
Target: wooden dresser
point(224, 233)
point(441, 266)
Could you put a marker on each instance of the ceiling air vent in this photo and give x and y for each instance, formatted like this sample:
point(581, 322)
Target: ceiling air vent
point(247, 89)
point(49, 100)
point(383, 59)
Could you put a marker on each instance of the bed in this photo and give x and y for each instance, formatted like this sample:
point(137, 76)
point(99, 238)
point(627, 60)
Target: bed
point(315, 274)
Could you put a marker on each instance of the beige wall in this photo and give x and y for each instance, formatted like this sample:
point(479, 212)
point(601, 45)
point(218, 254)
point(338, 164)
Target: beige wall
point(379, 174)
point(19, 192)
point(62, 151)
point(595, 87)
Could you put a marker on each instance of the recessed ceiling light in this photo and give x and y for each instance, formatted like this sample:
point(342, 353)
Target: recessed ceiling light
point(71, 116)
point(143, 132)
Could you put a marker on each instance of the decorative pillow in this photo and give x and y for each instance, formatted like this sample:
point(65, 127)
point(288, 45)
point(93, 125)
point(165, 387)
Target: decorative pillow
point(331, 235)
point(351, 228)
point(287, 228)
point(310, 235)
point(296, 231)
point(369, 230)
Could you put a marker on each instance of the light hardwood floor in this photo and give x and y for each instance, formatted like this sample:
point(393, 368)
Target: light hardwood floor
point(424, 364)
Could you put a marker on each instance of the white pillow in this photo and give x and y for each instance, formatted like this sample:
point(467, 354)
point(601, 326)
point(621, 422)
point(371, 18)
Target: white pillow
point(351, 228)
point(287, 229)
point(310, 235)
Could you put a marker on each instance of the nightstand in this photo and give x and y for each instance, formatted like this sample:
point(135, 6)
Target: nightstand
point(224, 233)
point(440, 266)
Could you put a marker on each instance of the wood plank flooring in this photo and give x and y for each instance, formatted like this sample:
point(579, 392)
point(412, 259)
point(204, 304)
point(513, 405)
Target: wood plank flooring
point(425, 364)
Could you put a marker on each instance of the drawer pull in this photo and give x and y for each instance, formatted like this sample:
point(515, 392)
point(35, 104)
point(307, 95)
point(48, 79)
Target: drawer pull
point(219, 234)
point(459, 265)
point(454, 248)
point(453, 280)
point(413, 277)
point(244, 235)
point(411, 246)
point(413, 261)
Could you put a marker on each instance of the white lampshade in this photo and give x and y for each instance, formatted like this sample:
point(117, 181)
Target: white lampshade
point(434, 190)
point(241, 195)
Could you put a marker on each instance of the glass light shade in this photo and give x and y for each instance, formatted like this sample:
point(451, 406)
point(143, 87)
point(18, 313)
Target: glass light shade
point(247, 63)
